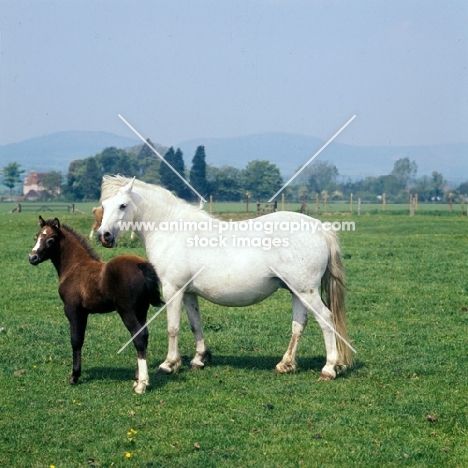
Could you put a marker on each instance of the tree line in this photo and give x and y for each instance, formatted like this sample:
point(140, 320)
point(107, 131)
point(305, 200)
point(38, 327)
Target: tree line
point(260, 179)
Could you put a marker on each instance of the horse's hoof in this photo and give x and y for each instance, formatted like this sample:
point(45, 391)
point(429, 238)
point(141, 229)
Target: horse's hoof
point(283, 368)
point(73, 380)
point(170, 368)
point(326, 376)
point(341, 369)
point(195, 366)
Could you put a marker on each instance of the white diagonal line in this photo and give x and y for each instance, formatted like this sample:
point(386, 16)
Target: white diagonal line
point(182, 289)
point(317, 315)
point(312, 158)
point(162, 159)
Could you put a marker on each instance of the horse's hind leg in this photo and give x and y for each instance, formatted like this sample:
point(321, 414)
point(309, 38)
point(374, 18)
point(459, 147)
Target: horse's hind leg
point(288, 363)
point(202, 353)
point(322, 314)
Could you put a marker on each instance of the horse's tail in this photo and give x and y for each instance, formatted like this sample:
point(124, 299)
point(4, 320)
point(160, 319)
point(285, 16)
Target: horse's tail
point(152, 283)
point(334, 288)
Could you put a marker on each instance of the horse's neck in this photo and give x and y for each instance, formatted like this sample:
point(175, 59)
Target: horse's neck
point(158, 207)
point(70, 253)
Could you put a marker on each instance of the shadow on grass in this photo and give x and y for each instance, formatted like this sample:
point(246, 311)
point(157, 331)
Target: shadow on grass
point(314, 364)
point(121, 374)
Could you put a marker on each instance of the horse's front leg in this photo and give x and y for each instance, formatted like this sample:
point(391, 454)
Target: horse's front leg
point(174, 307)
point(202, 353)
point(78, 320)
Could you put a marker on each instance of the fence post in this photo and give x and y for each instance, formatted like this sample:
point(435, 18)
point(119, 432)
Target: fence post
point(317, 202)
point(303, 206)
point(247, 202)
point(282, 201)
point(211, 204)
point(450, 202)
point(384, 202)
point(359, 206)
point(412, 200)
point(416, 199)
point(351, 202)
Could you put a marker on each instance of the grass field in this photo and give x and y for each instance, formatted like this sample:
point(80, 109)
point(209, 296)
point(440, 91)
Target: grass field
point(405, 402)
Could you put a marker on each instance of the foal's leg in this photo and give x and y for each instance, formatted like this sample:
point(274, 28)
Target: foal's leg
point(288, 363)
point(140, 341)
point(174, 307)
point(78, 320)
point(202, 353)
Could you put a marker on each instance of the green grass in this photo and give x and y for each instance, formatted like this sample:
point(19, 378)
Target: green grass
point(403, 404)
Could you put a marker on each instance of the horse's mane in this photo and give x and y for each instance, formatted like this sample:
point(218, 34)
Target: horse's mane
point(112, 184)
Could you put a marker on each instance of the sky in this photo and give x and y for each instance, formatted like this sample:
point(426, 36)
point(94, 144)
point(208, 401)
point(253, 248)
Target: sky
point(178, 70)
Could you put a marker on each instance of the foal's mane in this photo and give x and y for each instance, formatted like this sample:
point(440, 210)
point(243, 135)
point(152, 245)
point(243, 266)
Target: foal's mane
point(77, 236)
point(82, 241)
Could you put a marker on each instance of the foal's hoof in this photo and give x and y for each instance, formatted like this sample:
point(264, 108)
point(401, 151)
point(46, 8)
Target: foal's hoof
point(139, 386)
point(73, 380)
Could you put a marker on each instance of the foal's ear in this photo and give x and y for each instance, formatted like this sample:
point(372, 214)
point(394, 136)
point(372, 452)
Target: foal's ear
point(56, 223)
point(41, 221)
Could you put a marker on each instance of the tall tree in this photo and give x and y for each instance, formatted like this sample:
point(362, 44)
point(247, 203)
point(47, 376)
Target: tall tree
point(148, 161)
point(198, 172)
point(405, 171)
point(437, 182)
point(182, 189)
point(169, 179)
point(52, 182)
point(225, 183)
point(322, 176)
point(11, 175)
point(92, 180)
point(262, 179)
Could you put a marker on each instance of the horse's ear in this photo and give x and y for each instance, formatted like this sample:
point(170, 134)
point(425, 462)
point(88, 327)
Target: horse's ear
point(56, 223)
point(41, 221)
point(128, 188)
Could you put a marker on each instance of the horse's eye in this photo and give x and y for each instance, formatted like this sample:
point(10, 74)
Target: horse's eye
point(123, 206)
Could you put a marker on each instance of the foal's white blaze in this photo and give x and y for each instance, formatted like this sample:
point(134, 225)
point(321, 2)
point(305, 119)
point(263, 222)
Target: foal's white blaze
point(38, 243)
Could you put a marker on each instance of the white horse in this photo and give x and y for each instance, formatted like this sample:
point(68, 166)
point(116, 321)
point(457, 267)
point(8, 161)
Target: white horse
point(232, 264)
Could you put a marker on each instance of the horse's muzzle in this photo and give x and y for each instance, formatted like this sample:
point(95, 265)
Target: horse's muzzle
point(107, 240)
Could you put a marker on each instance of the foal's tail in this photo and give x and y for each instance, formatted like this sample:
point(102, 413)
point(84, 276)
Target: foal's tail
point(334, 288)
point(152, 283)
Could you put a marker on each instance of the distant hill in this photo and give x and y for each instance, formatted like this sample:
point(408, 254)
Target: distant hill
point(287, 151)
point(54, 152)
